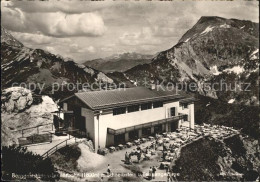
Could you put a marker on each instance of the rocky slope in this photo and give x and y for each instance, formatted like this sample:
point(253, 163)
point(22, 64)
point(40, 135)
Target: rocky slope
point(233, 159)
point(22, 109)
point(21, 64)
point(119, 62)
point(213, 49)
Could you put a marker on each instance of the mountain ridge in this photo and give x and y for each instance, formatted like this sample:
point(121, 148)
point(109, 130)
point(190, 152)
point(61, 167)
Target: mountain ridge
point(209, 52)
point(20, 64)
point(119, 62)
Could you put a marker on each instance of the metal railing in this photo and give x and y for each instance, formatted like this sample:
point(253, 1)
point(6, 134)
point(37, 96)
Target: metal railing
point(35, 139)
point(57, 147)
point(37, 127)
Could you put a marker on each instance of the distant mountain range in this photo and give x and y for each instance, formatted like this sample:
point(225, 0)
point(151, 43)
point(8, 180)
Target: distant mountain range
point(22, 64)
point(213, 49)
point(119, 62)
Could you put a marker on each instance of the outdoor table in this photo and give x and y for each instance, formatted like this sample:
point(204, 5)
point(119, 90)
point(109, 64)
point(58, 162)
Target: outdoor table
point(129, 144)
point(137, 142)
point(147, 156)
point(143, 140)
point(121, 146)
point(151, 138)
point(160, 142)
point(166, 140)
point(163, 165)
point(164, 134)
point(112, 149)
point(158, 136)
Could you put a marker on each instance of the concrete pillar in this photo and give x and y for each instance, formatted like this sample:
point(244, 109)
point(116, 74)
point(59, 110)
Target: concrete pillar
point(191, 116)
point(126, 137)
point(96, 134)
point(152, 130)
point(179, 123)
point(166, 127)
point(139, 133)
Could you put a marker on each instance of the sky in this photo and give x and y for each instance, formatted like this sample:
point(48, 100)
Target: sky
point(85, 30)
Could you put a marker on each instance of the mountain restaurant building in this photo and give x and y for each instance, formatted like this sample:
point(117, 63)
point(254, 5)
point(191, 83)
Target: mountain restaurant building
point(112, 117)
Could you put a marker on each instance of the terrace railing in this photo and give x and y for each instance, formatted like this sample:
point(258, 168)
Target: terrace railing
point(34, 127)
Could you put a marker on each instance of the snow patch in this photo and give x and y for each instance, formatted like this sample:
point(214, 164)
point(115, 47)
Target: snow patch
point(208, 29)
point(214, 70)
point(242, 27)
point(81, 66)
point(89, 70)
point(256, 51)
point(254, 55)
point(187, 40)
point(101, 76)
point(225, 26)
point(235, 69)
point(231, 101)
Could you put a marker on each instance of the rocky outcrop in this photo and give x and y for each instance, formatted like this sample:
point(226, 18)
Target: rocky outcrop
point(16, 99)
point(33, 114)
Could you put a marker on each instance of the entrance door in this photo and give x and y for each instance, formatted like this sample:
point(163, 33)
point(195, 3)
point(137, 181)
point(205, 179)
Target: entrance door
point(119, 139)
point(158, 129)
point(174, 126)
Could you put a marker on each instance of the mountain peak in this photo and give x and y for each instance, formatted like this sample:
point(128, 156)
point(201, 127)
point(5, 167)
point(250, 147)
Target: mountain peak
point(7, 38)
point(208, 24)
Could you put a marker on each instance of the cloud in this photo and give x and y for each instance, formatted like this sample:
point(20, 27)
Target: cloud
point(50, 49)
point(143, 37)
point(32, 38)
point(75, 48)
point(68, 7)
point(56, 24)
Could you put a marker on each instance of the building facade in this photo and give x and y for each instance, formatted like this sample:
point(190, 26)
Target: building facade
point(118, 116)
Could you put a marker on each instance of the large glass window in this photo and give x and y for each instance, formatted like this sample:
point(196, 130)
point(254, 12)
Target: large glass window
point(119, 139)
point(133, 135)
point(121, 110)
point(133, 108)
point(146, 131)
point(146, 106)
point(157, 104)
point(158, 128)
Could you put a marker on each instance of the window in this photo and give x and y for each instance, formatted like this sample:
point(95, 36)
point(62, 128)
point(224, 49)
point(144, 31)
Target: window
point(184, 106)
point(121, 110)
point(157, 104)
point(146, 131)
point(119, 139)
point(146, 106)
point(133, 108)
point(172, 111)
point(185, 118)
point(133, 135)
point(158, 128)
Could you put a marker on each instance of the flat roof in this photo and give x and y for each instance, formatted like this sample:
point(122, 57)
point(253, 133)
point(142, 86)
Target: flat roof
point(125, 96)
